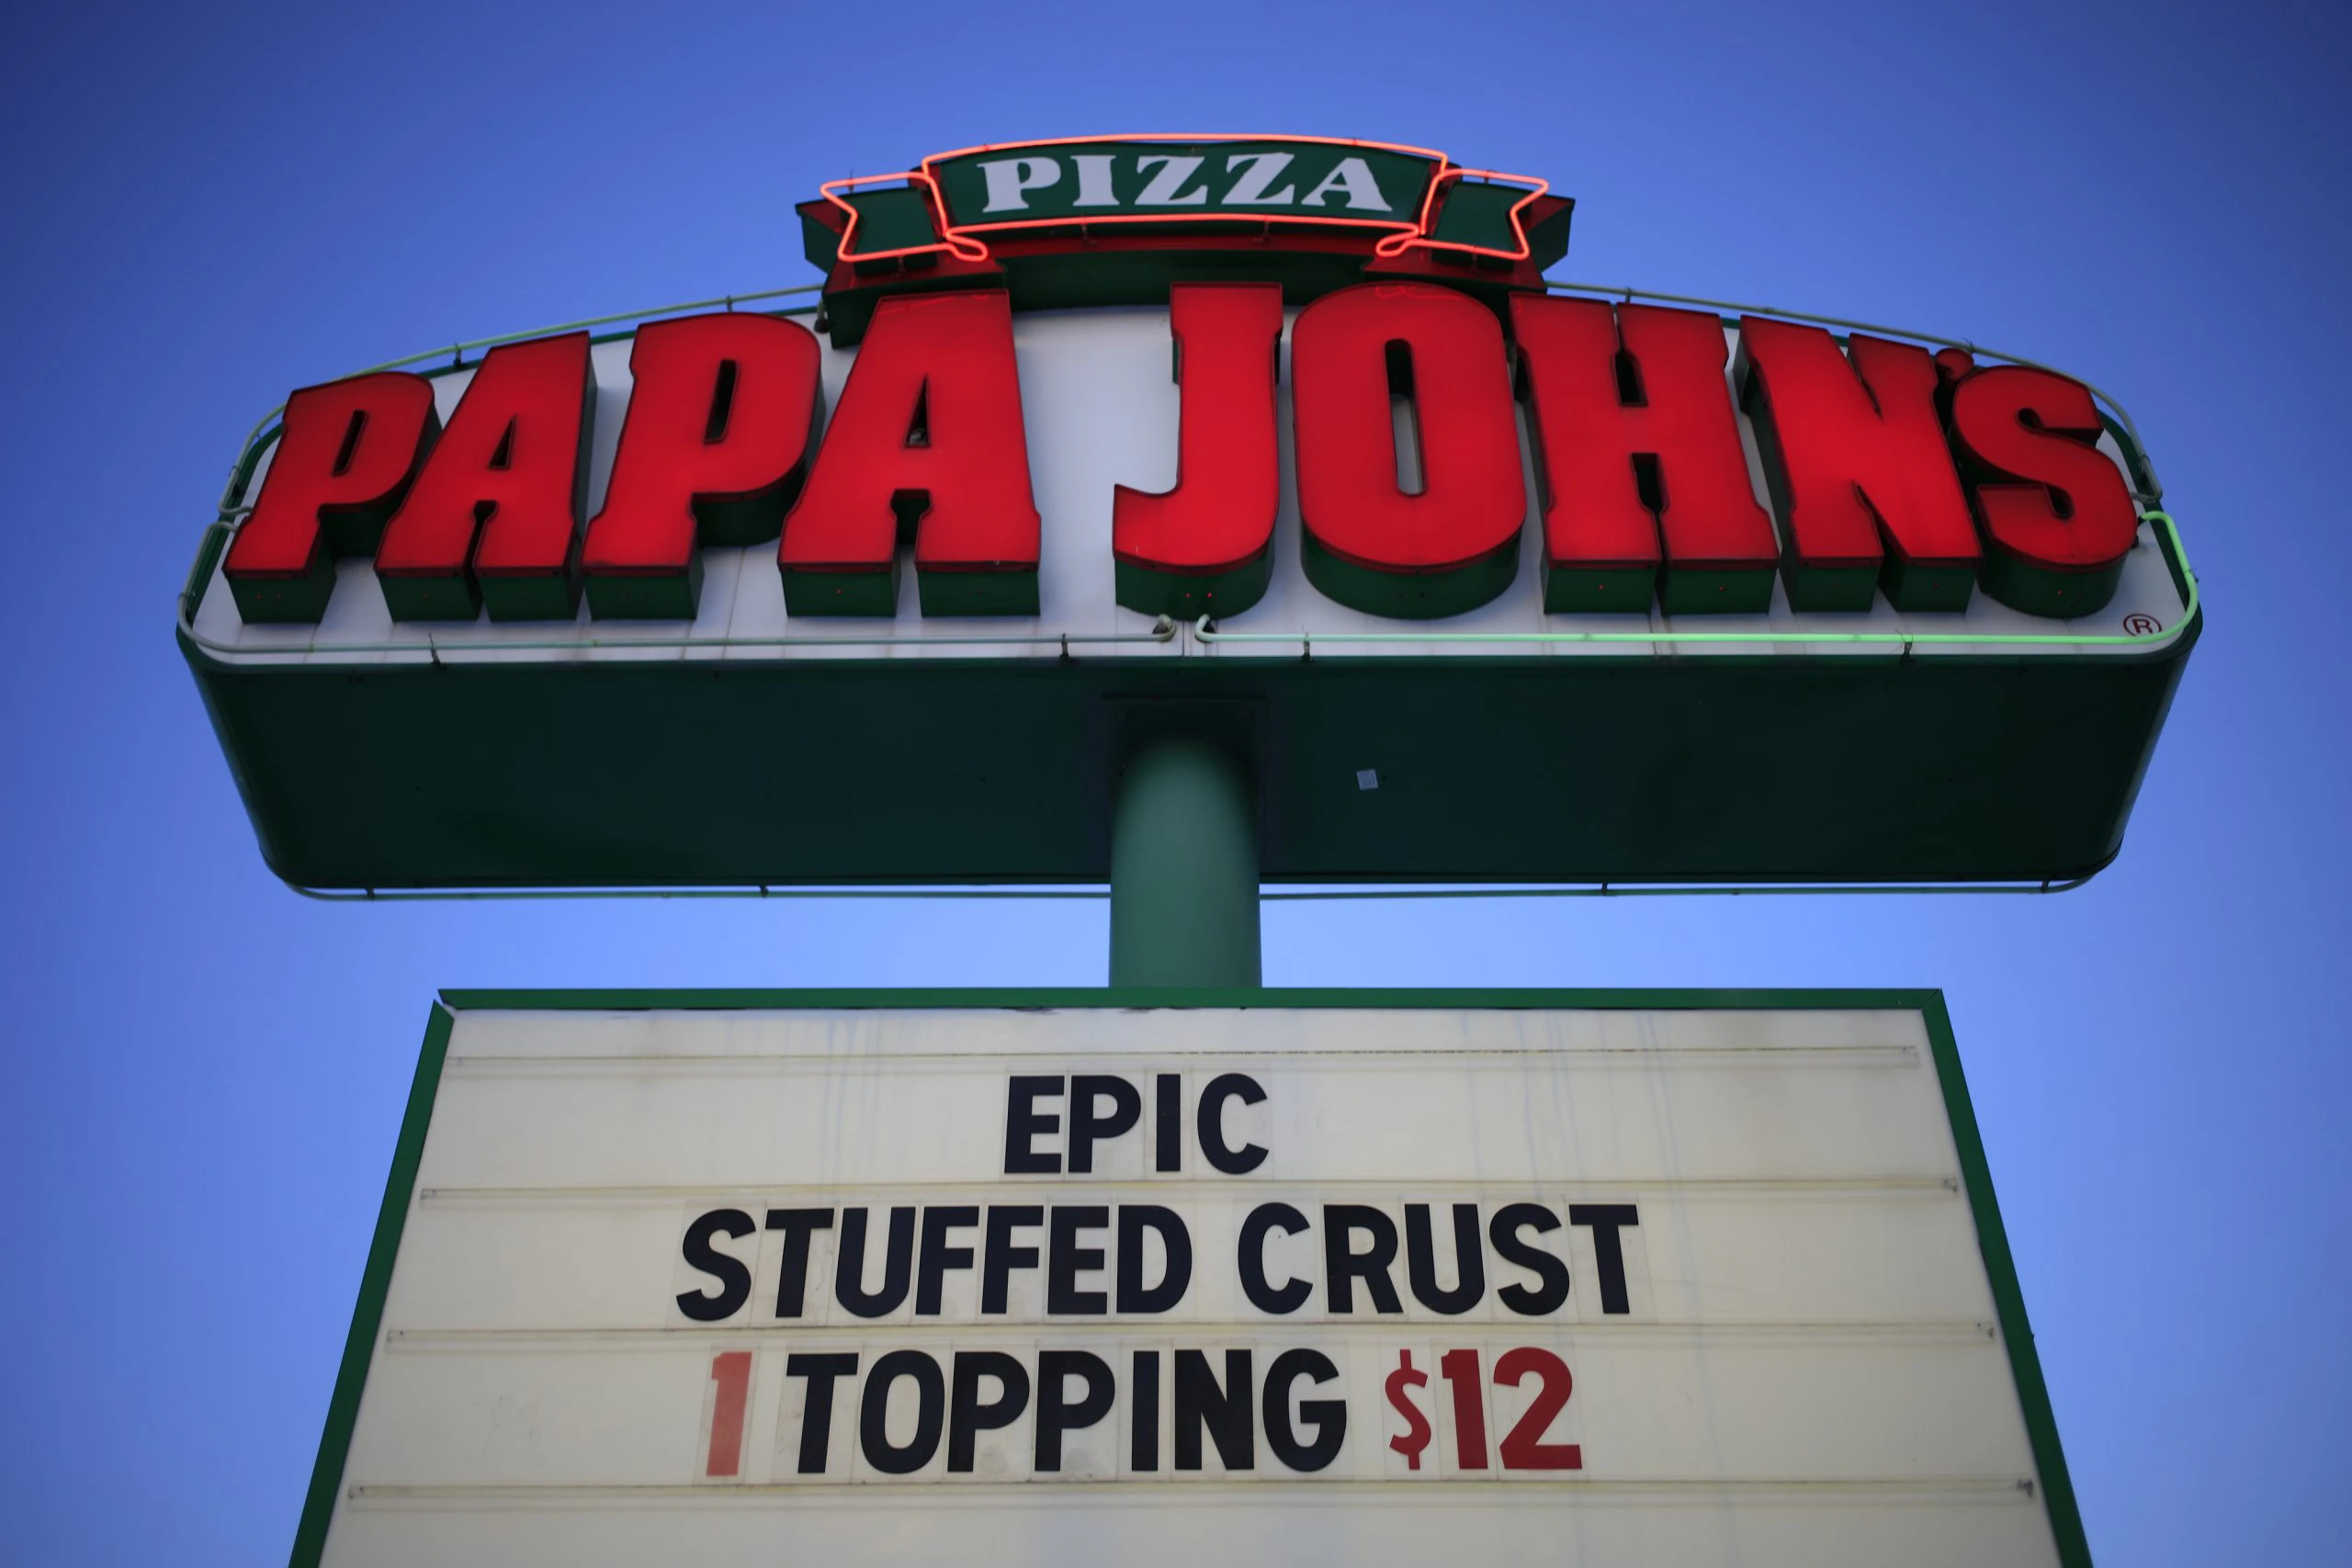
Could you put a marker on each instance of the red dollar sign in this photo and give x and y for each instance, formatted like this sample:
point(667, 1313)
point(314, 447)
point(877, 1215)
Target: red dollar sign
point(1411, 1444)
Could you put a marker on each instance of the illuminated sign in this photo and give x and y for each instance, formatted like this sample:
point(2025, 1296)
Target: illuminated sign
point(1080, 423)
point(1890, 472)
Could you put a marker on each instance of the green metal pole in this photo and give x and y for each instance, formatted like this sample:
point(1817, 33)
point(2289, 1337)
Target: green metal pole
point(1184, 869)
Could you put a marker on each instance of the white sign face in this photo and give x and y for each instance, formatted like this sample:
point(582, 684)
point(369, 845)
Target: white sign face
point(1101, 411)
point(1220, 1286)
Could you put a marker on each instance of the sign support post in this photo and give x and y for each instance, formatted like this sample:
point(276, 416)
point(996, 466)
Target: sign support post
point(1184, 869)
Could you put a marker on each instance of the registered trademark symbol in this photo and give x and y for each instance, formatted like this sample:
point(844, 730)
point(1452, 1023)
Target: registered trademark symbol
point(2142, 626)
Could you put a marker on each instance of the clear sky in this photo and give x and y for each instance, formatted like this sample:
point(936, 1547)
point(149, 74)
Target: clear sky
point(209, 206)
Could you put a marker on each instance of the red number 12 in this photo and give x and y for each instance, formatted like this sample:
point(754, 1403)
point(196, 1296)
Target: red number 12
point(1525, 1448)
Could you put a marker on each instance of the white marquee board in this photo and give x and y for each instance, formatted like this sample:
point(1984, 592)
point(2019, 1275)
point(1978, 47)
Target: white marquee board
point(1741, 1236)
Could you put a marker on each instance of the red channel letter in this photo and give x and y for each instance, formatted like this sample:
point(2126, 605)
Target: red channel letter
point(712, 452)
point(1860, 472)
point(2058, 519)
point(347, 454)
point(927, 441)
point(1370, 543)
point(1206, 547)
point(495, 514)
point(1635, 422)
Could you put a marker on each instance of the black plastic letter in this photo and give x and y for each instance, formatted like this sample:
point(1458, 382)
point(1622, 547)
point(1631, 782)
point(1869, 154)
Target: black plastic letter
point(792, 1280)
point(1168, 1123)
point(967, 1416)
point(1469, 1260)
point(1023, 1122)
point(937, 1257)
point(1086, 1128)
point(1327, 1417)
point(898, 1265)
point(1134, 1295)
point(1000, 1257)
point(1607, 1250)
point(733, 1275)
point(1143, 1409)
point(873, 1432)
point(817, 1415)
point(1064, 1260)
point(1223, 1413)
point(1210, 1121)
point(1291, 1294)
point(1551, 1274)
point(1342, 1265)
point(1055, 1412)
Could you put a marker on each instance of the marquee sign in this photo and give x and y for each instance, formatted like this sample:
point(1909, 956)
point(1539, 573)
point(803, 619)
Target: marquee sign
point(1586, 1277)
point(1290, 430)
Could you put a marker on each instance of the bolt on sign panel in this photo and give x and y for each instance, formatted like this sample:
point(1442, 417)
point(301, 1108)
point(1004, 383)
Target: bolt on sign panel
point(1588, 1278)
point(1288, 436)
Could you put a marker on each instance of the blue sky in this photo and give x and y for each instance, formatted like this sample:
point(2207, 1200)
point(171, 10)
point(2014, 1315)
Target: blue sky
point(209, 207)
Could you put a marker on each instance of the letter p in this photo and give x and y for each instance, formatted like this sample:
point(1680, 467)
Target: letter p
point(1008, 177)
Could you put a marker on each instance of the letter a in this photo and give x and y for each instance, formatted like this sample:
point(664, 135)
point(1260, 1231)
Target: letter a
point(928, 440)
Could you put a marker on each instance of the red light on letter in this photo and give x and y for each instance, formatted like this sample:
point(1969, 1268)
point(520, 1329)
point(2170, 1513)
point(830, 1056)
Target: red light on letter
point(511, 467)
point(344, 460)
point(1635, 424)
point(1858, 470)
point(1371, 542)
point(2058, 519)
point(927, 443)
point(1206, 547)
point(713, 450)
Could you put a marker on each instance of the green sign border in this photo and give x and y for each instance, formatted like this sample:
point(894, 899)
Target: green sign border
point(408, 1153)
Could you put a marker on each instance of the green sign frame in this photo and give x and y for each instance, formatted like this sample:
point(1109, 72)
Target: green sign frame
point(400, 1189)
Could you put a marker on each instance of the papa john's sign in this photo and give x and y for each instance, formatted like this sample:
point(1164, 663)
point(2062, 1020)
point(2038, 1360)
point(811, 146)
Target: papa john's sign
point(1290, 425)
